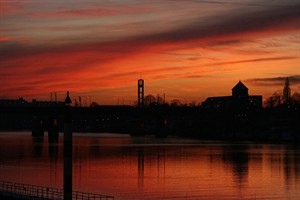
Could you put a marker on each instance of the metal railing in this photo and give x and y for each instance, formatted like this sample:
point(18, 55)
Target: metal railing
point(90, 196)
point(39, 192)
point(14, 189)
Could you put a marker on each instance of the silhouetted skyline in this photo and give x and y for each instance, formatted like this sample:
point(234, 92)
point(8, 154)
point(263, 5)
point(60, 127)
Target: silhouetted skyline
point(189, 50)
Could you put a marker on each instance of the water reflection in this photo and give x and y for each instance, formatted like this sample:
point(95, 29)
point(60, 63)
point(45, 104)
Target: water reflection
point(238, 157)
point(141, 161)
point(38, 142)
point(291, 160)
point(142, 168)
point(53, 148)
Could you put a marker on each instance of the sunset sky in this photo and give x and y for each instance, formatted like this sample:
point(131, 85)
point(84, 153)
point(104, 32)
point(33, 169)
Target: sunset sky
point(187, 49)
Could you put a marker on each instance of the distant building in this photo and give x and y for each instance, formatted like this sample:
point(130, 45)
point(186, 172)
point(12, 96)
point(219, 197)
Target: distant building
point(240, 100)
point(12, 102)
point(34, 103)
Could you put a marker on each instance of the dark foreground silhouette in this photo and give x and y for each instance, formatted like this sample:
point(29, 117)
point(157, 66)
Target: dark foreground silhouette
point(273, 124)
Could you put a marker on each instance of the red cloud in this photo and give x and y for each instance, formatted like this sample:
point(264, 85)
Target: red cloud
point(8, 8)
point(5, 38)
point(75, 13)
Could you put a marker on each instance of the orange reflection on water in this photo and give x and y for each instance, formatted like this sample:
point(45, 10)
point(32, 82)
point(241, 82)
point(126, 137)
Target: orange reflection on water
point(149, 168)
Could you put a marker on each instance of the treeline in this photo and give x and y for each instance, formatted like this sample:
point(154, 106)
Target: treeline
point(278, 100)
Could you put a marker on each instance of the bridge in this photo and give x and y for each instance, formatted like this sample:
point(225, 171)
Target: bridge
point(14, 191)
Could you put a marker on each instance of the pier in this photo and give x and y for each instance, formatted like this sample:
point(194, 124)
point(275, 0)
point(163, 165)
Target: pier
point(12, 191)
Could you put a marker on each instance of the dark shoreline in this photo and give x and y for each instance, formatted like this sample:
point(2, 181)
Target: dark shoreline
point(277, 125)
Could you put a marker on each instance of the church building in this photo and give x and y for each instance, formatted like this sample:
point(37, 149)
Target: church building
point(240, 100)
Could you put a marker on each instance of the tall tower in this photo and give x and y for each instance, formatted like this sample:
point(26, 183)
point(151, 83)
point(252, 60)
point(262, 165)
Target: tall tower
point(140, 93)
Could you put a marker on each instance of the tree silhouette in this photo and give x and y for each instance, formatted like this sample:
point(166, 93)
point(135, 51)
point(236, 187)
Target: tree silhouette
point(286, 91)
point(149, 99)
point(295, 98)
point(175, 102)
point(273, 101)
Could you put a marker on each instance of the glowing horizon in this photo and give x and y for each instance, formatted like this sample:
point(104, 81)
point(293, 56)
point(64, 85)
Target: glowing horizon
point(189, 50)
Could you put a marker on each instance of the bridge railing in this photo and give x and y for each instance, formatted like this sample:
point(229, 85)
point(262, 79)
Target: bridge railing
point(36, 192)
point(90, 196)
point(30, 190)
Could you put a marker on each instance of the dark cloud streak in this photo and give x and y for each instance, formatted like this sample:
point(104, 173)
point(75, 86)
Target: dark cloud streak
point(222, 28)
point(251, 60)
point(276, 19)
point(277, 81)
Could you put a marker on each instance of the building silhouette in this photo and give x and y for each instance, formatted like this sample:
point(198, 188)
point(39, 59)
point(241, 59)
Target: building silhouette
point(24, 103)
point(240, 100)
point(13, 102)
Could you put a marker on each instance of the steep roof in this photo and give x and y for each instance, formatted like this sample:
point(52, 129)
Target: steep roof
point(68, 99)
point(239, 86)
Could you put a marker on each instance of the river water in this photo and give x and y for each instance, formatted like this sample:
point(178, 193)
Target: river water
point(140, 168)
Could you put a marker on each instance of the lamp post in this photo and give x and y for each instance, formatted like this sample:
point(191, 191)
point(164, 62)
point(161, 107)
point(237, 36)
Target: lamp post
point(68, 149)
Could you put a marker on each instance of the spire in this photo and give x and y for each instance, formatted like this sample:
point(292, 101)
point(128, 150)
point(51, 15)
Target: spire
point(68, 100)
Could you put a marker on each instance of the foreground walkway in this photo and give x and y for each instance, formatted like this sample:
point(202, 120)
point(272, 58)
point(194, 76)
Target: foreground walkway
point(12, 191)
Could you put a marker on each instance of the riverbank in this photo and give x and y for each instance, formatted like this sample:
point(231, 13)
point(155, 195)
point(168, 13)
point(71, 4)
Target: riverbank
point(275, 125)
